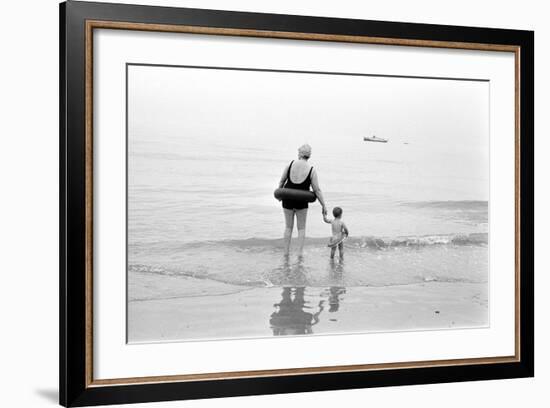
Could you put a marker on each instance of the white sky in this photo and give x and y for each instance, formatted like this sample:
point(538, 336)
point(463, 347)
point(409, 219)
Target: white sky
point(444, 113)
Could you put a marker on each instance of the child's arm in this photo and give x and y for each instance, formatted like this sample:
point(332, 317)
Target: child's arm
point(345, 229)
point(325, 219)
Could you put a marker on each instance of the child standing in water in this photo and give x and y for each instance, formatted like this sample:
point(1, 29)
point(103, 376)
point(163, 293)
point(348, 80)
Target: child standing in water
point(339, 232)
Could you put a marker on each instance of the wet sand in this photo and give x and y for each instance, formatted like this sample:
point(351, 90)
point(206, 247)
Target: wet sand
point(168, 308)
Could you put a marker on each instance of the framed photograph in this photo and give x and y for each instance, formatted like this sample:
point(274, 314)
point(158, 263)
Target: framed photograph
point(257, 203)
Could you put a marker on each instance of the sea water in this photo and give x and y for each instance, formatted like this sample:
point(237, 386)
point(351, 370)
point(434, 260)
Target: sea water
point(206, 149)
point(205, 208)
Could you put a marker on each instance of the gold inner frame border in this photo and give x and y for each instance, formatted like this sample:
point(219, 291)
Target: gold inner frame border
point(118, 25)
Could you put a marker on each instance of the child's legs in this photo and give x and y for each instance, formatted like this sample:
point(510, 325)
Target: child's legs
point(289, 224)
point(332, 252)
point(301, 217)
point(341, 250)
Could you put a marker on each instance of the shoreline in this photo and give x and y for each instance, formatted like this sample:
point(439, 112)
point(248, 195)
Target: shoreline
point(170, 308)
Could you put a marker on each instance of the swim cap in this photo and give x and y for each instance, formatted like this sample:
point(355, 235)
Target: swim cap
point(304, 151)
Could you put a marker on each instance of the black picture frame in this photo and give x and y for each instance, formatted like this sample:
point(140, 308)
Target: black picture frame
point(75, 389)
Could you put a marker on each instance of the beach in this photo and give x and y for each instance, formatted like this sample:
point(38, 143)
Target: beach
point(204, 232)
point(172, 309)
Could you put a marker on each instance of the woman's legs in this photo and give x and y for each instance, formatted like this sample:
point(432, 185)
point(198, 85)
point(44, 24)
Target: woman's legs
point(289, 224)
point(301, 217)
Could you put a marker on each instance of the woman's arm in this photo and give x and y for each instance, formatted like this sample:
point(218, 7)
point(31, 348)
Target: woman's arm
point(317, 190)
point(283, 177)
point(316, 315)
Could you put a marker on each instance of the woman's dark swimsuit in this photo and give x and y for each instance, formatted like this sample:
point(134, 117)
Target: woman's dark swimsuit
point(304, 185)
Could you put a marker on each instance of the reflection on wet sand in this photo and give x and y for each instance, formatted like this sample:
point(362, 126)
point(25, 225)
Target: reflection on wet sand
point(293, 315)
point(290, 318)
point(336, 276)
point(334, 298)
point(297, 301)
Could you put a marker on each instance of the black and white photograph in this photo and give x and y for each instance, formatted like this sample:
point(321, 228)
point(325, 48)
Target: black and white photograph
point(268, 203)
point(247, 204)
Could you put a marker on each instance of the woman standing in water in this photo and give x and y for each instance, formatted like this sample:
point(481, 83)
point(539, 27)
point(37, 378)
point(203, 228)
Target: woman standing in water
point(299, 175)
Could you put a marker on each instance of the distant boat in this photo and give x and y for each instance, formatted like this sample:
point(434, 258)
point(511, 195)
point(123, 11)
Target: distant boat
point(375, 139)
